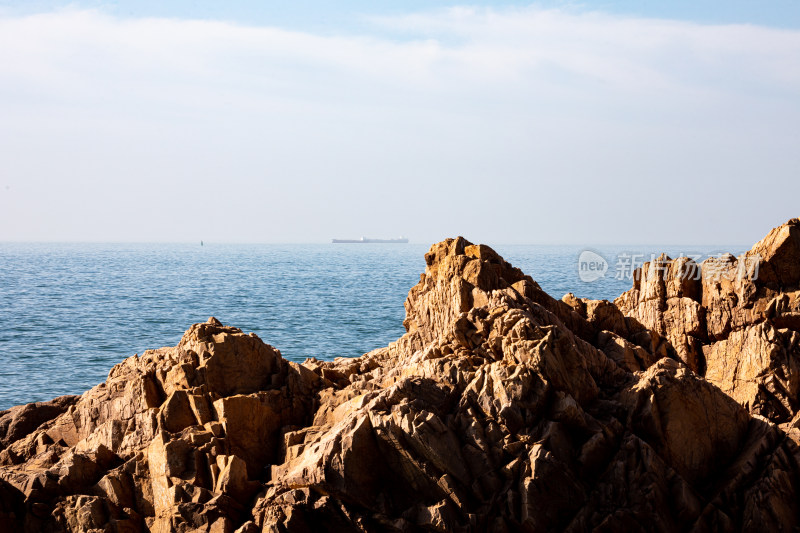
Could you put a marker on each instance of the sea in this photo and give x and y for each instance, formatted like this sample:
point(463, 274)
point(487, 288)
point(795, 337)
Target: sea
point(70, 312)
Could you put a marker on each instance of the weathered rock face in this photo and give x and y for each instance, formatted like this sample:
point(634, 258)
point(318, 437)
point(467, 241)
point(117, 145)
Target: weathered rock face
point(500, 409)
point(175, 439)
point(732, 320)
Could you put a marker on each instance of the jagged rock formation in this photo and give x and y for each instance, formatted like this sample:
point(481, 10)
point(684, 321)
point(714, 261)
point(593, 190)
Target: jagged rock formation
point(741, 334)
point(501, 409)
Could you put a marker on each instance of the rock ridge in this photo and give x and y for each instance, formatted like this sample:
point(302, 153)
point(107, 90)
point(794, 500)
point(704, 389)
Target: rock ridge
point(673, 408)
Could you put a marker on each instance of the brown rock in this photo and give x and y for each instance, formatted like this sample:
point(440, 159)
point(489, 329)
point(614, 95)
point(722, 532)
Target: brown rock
point(19, 421)
point(665, 298)
point(500, 409)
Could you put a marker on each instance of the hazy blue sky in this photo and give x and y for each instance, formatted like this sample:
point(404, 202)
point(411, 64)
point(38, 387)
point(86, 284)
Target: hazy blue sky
point(557, 122)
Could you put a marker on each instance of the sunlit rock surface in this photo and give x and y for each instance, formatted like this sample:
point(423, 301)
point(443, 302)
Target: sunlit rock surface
point(674, 408)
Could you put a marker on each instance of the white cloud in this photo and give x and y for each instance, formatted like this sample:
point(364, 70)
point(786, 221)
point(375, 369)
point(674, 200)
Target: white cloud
point(512, 125)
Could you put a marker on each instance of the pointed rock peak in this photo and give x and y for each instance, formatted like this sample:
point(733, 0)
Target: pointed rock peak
point(478, 264)
point(779, 256)
point(459, 276)
point(205, 332)
point(447, 248)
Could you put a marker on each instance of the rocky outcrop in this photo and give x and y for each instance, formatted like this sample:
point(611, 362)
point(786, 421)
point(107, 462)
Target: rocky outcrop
point(175, 439)
point(500, 409)
point(733, 320)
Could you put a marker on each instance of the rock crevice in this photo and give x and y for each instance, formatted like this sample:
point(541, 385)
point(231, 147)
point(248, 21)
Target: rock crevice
point(675, 408)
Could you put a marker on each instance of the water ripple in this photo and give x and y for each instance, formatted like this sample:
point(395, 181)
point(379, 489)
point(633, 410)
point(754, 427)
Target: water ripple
point(72, 311)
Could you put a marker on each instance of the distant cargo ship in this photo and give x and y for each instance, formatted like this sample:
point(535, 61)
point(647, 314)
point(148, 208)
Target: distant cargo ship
point(364, 240)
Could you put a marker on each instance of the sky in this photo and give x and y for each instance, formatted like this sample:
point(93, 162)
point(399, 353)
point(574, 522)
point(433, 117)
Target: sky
point(506, 122)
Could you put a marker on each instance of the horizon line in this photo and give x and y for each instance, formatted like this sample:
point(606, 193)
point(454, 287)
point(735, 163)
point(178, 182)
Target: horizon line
point(417, 242)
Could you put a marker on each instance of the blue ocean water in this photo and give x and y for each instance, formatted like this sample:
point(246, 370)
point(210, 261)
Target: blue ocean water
point(70, 312)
